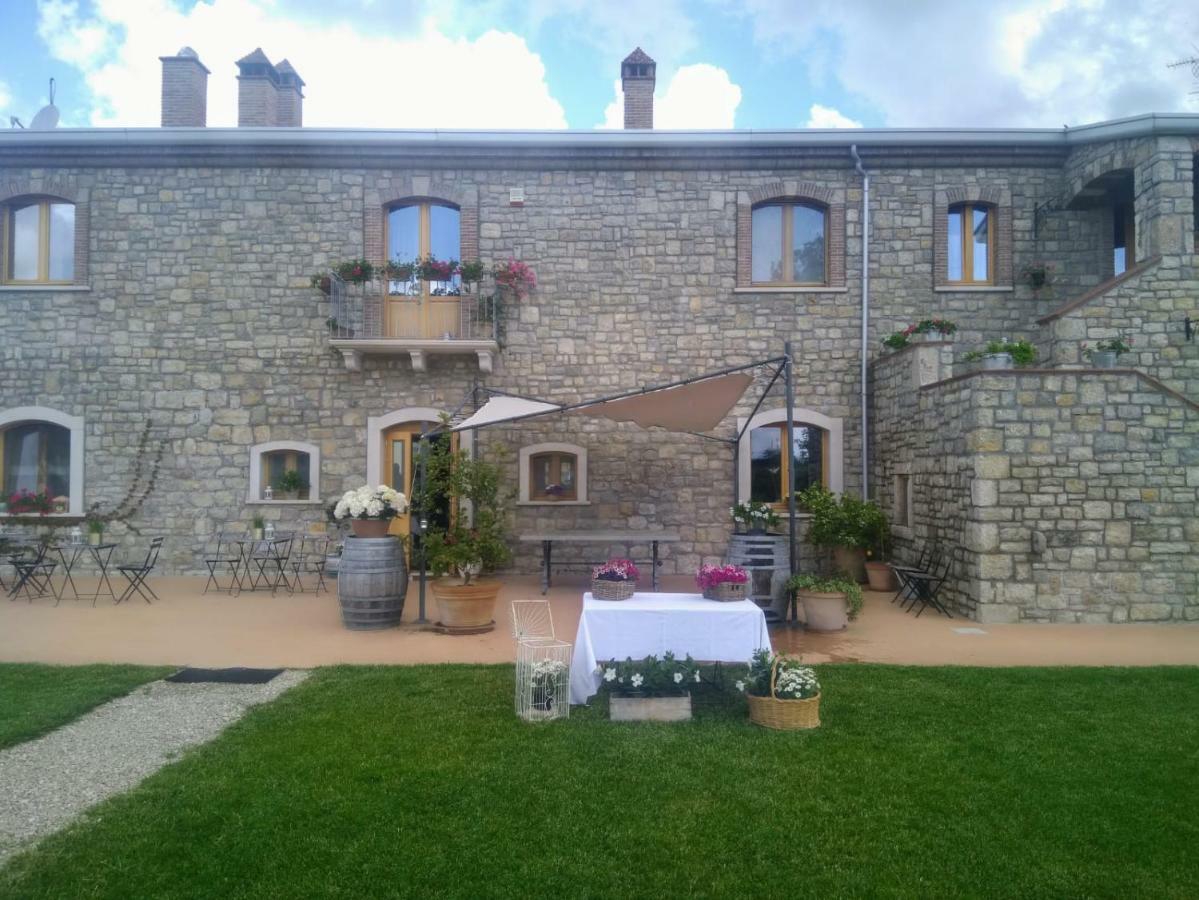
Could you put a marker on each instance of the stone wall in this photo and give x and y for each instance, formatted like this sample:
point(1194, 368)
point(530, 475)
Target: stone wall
point(198, 314)
point(1060, 496)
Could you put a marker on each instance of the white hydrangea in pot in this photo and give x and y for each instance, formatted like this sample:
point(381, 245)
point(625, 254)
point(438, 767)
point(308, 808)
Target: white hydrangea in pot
point(370, 509)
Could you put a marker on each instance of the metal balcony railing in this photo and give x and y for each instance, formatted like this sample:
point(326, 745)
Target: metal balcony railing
point(415, 311)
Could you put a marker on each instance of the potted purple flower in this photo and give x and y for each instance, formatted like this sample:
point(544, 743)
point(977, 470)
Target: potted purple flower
point(614, 580)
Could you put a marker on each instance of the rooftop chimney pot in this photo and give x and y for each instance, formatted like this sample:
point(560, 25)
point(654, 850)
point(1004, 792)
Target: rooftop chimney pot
point(638, 75)
point(184, 90)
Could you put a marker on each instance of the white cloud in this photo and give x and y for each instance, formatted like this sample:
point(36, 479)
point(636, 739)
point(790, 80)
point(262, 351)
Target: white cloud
point(698, 96)
point(827, 117)
point(5, 99)
point(354, 77)
point(1021, 62)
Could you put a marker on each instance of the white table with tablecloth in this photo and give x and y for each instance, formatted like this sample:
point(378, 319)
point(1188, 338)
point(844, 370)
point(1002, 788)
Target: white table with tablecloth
point(651, 624)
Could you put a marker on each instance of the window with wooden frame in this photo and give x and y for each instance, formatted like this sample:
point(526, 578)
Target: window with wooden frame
point(37, 241)
point(772, 457)
point(553, 476)
point(287, 472)
point(35, 458)
point(788, 244)
point(970, 233)
point(1124, 244)
point(419, 229)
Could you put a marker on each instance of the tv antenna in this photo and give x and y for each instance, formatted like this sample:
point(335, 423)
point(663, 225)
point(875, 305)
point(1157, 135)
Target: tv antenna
point(1193, 63)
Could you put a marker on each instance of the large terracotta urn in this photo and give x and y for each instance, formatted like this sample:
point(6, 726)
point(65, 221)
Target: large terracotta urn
point(851, 561)
point(466, 608)
point(880, 576)
point(370, 528)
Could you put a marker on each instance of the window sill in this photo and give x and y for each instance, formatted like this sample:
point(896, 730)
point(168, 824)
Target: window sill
point(43, 288)
point(283, 502)
point(973, 289)
point(798, 289)
point(553, 502)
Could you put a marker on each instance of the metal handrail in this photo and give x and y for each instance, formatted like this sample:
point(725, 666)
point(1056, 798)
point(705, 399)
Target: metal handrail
point(360, 312)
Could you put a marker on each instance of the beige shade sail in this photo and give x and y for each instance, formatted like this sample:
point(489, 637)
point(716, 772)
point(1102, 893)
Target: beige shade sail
point(698, 406)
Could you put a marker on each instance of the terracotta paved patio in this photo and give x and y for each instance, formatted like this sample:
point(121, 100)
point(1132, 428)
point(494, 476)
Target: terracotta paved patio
point(301, 630)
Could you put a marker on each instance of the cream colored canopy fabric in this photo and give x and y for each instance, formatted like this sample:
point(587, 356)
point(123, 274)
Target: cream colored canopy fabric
point(699, 406)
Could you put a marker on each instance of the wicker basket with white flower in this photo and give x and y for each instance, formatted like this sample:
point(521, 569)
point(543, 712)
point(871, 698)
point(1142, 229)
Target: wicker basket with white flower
point(614, 580)
point(783, 694)
point(370, 509)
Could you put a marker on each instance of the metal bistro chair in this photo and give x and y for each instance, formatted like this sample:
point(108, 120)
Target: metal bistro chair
point(136, 574)
point(223, 552)
point(309, 559)
point(925, 563)
point(34, 572)
point(273, 563)
point(926, 586)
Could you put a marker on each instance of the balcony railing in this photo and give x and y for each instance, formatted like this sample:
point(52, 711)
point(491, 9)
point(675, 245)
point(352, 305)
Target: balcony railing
point(413, 318)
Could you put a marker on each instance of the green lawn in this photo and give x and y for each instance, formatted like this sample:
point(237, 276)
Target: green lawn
point(35, 699)
point(954, 782)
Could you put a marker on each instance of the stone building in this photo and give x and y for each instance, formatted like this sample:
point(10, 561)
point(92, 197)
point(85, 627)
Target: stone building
point(164, 275)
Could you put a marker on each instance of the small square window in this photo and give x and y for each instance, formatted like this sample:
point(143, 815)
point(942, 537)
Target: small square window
point(903, 500)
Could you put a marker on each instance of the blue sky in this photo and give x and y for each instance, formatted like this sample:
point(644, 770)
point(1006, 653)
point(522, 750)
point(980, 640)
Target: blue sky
point(555, 63)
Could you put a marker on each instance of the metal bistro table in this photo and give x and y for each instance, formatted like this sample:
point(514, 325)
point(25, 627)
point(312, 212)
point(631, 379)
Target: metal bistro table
point(628, 538)
point(69, 555)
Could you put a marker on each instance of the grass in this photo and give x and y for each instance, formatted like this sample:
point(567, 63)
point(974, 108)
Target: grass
point(419, 782)
point(35, 699)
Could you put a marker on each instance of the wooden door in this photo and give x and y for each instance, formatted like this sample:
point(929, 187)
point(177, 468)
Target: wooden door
point(399, 464)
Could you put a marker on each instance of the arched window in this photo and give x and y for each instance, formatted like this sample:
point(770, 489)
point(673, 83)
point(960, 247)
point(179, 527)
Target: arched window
point(789, 243)
point(765, 456)
point(970, 250)
point(420, 229)
point(37, 237)
point(41, 457)
point(290, 469)
point(553, 473)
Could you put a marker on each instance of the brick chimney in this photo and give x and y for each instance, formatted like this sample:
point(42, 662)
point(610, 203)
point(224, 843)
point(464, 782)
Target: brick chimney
point(184, 90)
point(257, 91)
point(637, 78)
point(290, 101)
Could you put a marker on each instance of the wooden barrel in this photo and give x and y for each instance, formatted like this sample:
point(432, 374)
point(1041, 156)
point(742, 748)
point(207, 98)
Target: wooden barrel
point(371, 583)
point(766, 559)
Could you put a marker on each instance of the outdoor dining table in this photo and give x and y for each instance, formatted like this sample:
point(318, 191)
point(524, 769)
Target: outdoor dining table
point(246, 549)
point(70, 553)
point(651, 624)
point(628, 538)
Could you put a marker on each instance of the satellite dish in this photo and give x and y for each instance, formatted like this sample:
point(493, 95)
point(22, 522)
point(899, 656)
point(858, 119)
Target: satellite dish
point(47, 117)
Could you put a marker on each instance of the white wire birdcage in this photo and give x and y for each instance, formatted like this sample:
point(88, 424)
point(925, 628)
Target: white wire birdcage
point(532, 620)
point(542, 679)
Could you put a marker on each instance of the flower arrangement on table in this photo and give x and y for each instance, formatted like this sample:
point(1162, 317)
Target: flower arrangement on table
point(650, 677)
point(782, 692)
point(370, 509)
point(755, 517)
point(900, 339)
point(722, 583)
point(614, 580)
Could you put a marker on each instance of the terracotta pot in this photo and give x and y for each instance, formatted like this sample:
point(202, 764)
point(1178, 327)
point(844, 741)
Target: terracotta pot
point(370, 528)
point(880, 576)
point(824, 612)
point(466, 608)
point(851, 561)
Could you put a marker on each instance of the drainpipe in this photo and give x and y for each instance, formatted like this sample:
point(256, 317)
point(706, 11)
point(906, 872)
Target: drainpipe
point(857, 163)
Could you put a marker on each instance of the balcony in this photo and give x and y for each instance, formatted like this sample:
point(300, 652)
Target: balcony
point(412, 319)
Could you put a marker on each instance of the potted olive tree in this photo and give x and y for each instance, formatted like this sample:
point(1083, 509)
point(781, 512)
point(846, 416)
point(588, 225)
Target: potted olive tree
point(847, 524)
point(290, 485)
point(463, 547)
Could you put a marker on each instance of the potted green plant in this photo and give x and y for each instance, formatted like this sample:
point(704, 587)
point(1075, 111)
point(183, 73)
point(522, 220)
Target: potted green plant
point(471, 272)
point(650, 690)
point(355, 271)
point(754, 517)
point(828, 603)
point(399, 270)
point(847, 524)
point(1038, 275)
point(257, 527)
point(290, 484)
point(464, 547)
point(1003, 354)
point(95, 530)
point(1106, 354)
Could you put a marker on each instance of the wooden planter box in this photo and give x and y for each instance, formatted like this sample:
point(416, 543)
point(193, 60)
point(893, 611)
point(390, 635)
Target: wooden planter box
point(649, 709)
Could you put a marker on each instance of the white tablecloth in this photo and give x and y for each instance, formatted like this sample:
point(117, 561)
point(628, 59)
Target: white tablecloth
point(651, 624)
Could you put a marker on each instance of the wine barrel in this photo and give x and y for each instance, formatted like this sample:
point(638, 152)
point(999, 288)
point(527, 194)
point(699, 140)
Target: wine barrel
point(766, 559)
point(371, 583)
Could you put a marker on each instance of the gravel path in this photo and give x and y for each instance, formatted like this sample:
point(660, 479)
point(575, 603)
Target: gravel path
point(47, 782)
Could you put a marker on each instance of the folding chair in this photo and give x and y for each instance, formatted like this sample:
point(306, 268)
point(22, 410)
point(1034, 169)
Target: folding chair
point(926, 586)
point(272, 565)
point(223, 554)
point(309, 558)
point(136, 574)
point(34, 572)
point(924, 564)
